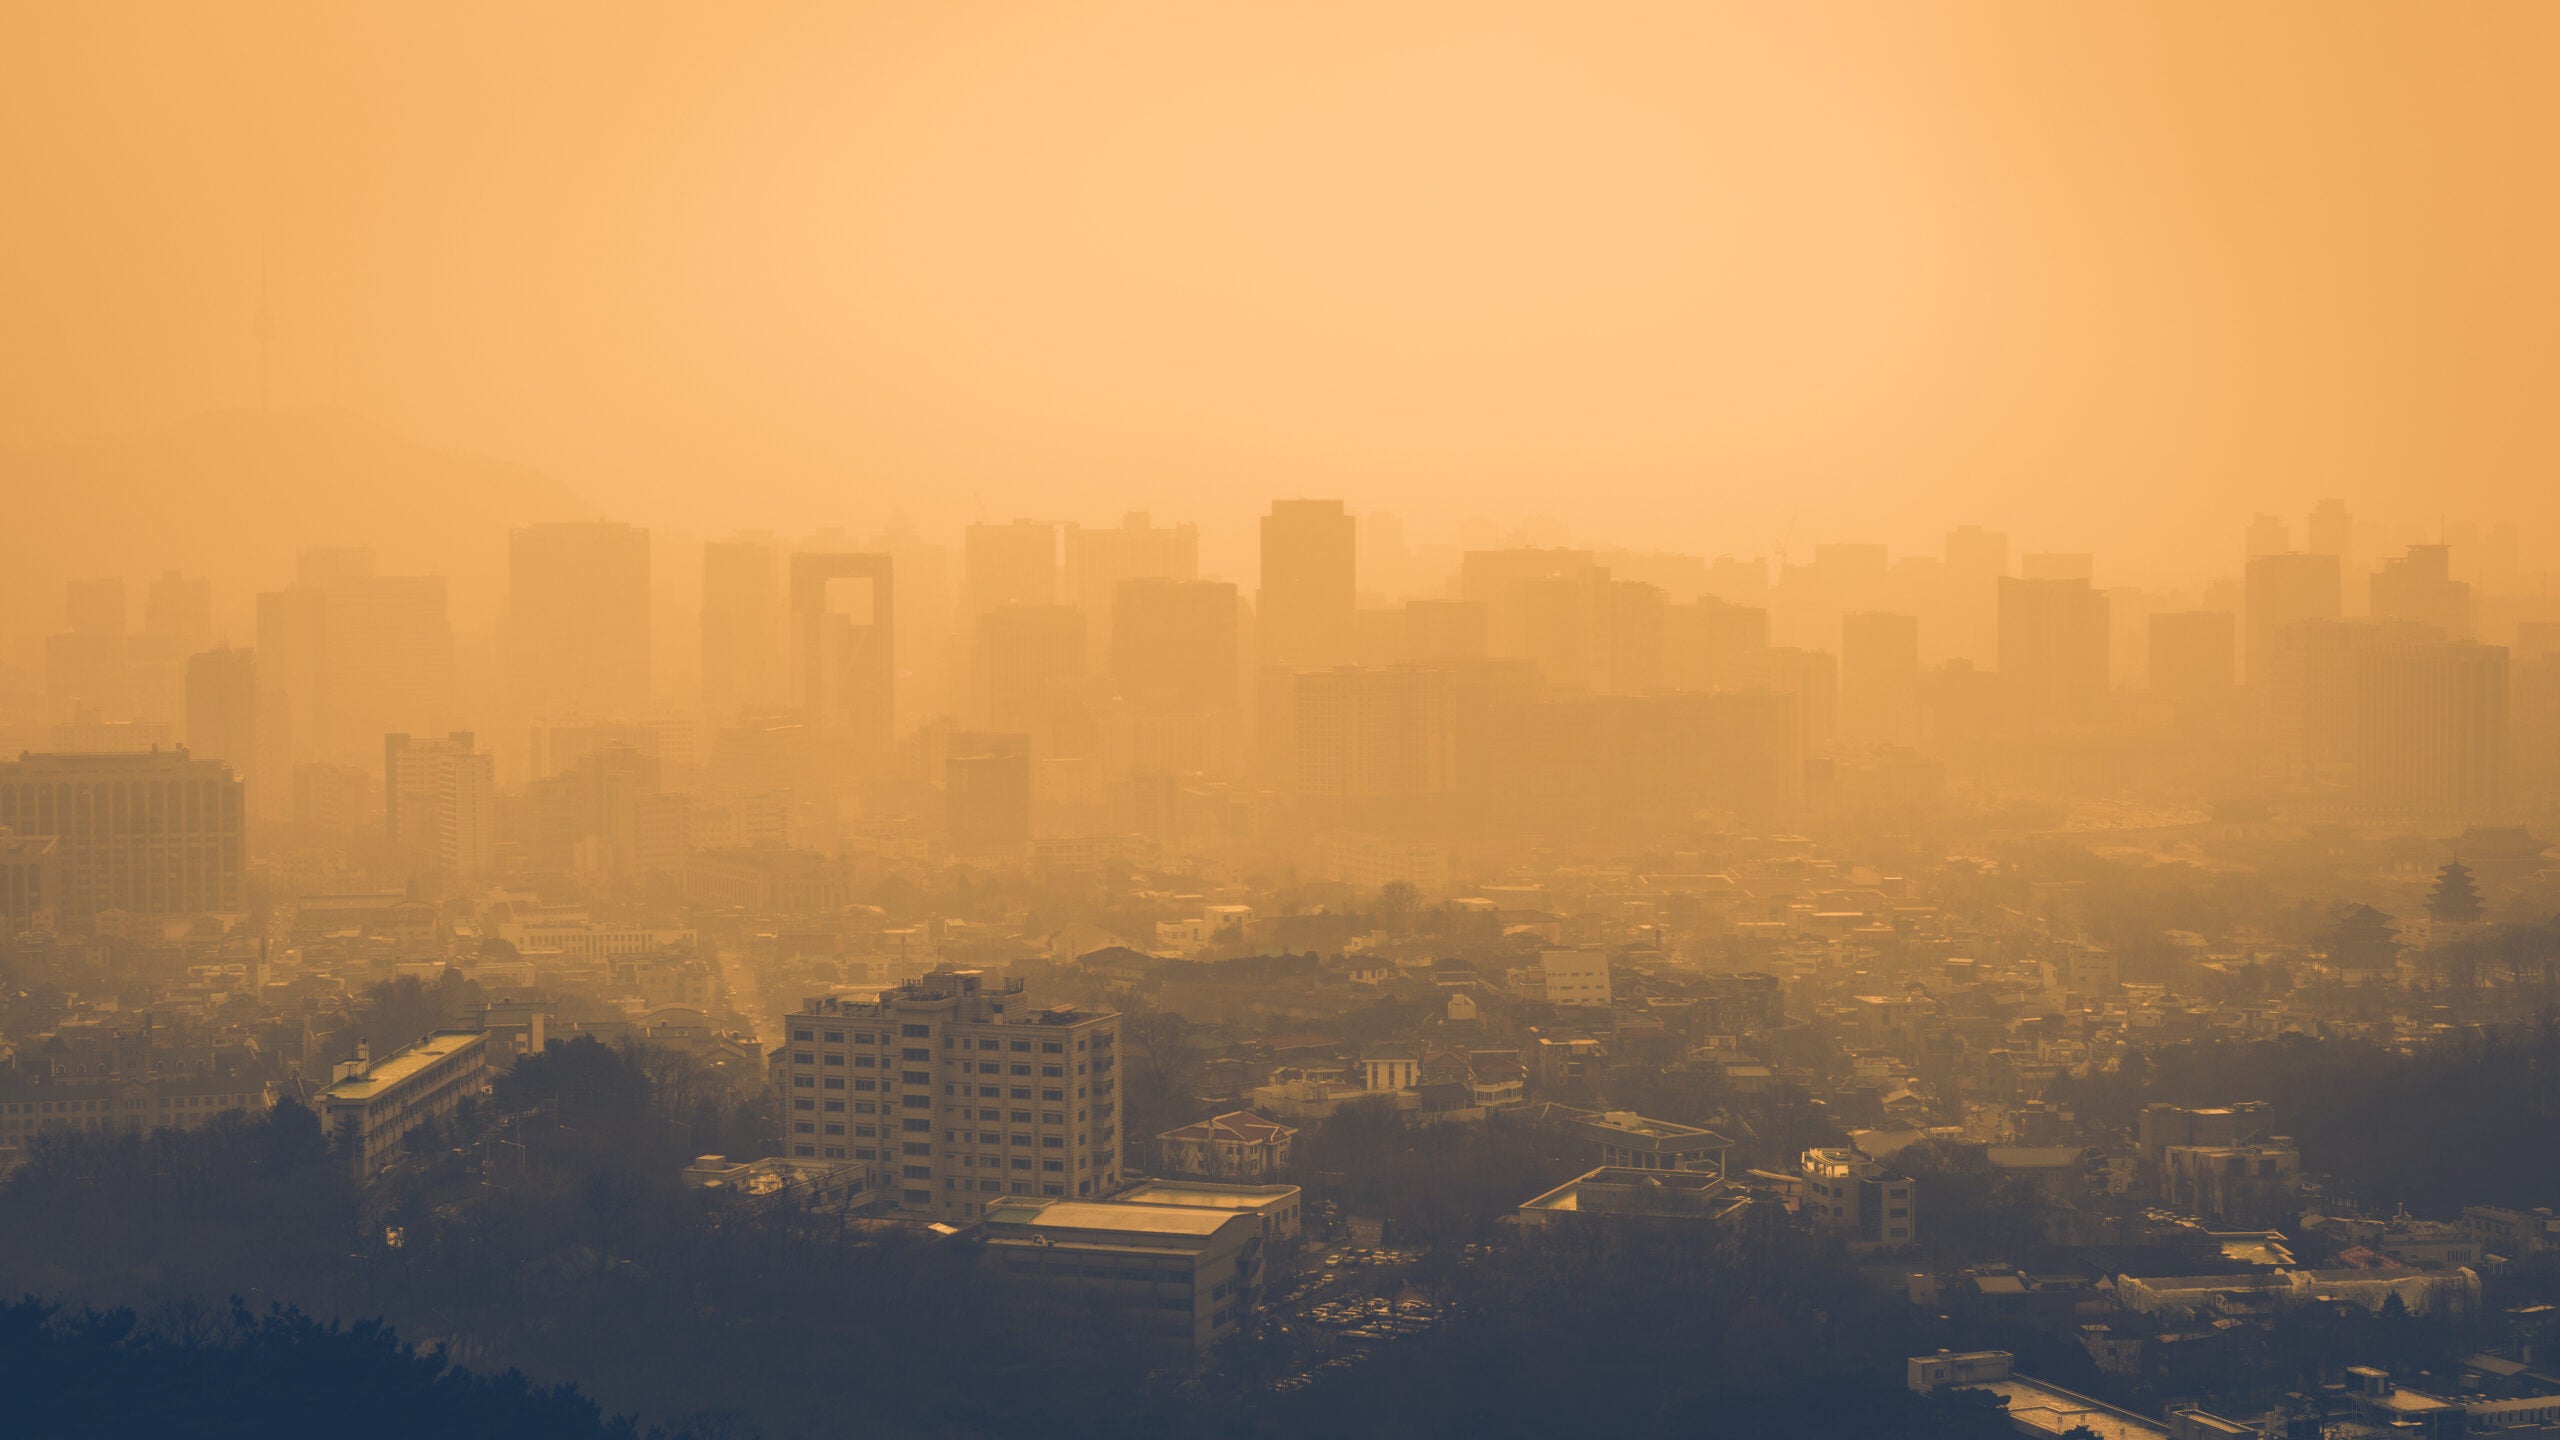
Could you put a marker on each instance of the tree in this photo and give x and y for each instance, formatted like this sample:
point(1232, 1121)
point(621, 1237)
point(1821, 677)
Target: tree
point(2455, 900)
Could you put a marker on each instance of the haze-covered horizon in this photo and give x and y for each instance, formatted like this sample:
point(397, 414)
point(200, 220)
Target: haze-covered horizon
point(1713, 280)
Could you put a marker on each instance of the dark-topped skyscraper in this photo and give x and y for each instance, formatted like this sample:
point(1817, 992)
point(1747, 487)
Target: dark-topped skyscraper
point(1310, 585)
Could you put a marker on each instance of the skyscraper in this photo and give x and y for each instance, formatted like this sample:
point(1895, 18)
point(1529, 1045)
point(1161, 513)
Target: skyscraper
point(844, 649)
point(1100, 559)
point(1309, 591)
point(440, 804)
point(147, 833)
point(222, 712)
point(2419, 588)
point(1174, 643)
point(743, 627)
point(346, 656)
point(2284, 589)
point(2195, 664)
point(1880, 677)
point(2053, 652)
point(577, 618)
point(1012, 564)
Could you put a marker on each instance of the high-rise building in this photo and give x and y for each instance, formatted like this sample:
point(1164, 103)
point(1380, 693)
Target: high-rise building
point(1444, 631)
point(2195, 664)
point(2390, 717)
point(1028, 660)
point(2053, 652)
point(1880, 677)
point(1310, 577)
point(844, 649)
point(1374, 734)
point(743, 626)
point(222, 712)
point(2283, 590)
point(150, 833)
point(1012, 564)
point(1099, 560)
point(986, 788)
point(346, 656)
point(577, 618)
point(179, 609)
point(1975, 559)
point(1700, 640)
point(1810, 677)
point(2419, 588)
point(961, 1093)
point(1174, 643)
point(440, 804)
point(2268, 535)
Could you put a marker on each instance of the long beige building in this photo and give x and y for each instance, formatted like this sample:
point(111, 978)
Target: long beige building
point(374, 1104)
point(960, 1092)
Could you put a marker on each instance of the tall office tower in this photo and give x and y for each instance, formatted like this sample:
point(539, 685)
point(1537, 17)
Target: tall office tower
point(976, 1095)
point(2058, 565)
point(1012, 564)
point(222, 713)
point(1840, 579)
point(1310, 569)
point(1174, 643)
point(1374, 734)
point(346, 656)
point(1739, 581)
point(1098, 560)
point(1976, 559)
point(440, 805)
point(1701, 640)
point(94, 607)
point(179, 609)
point(1438, 631)
point(2268, 535)
point(150, 833)
point(607, 814)
point(986, 791)
point(1880, 677)
point(2419, 588)
point(1634, 637)
point(844, 649)
point(744, 632)
point(2283, 590)
point(2195, 665)
point(577, 627)
point(2432, 732)
point(1810, 677)
point(2533, 725)
point(2053, 652)
point(1028, 658)
point(2333, 531)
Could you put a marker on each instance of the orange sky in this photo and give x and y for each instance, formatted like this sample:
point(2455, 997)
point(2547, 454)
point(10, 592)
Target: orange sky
point(1710, 276)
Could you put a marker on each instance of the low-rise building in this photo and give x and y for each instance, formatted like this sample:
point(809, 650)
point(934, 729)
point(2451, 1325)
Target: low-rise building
point(1183, 1274)
point(372, 1105)
point(1238, 1145)
point(1864, 1202)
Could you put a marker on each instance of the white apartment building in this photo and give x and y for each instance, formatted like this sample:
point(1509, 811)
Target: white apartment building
point(961, 1094)
point(1575, 977)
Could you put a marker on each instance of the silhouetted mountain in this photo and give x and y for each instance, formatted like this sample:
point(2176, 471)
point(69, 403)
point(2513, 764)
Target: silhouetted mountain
point(236, 494)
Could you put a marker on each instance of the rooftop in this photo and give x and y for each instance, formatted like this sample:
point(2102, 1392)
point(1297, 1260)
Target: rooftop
point(399, 1065)
point(1109, 1216)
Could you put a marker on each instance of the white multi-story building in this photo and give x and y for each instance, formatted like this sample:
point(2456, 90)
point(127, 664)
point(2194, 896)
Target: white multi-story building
point(1575, 977)
point(961, 1093)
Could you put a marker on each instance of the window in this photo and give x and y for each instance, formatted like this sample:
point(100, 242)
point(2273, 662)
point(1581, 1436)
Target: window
point(1058, 1189)
point(834, 1152)
point(1054, 1166)
point(1020, 1092)
point(835, 1037)
point(800, 1035)
point(916, 1147)
point(1053, 1142)
point(804, 1150)
point(916, 1102)
point(833, 1082)
point(804, 1082)
point(865, 1084)
point(865, 1062)
point(1053, 1072)
point(990, 1045)
point(1021, 1069)
point(836, 1128)
point(866, 1130)
point(914, 1056)
point(916, 1032)
point(837, 1060)
point(990, 1092)
point(804, 1104)
point(802, 1057)
point(1053, 1095)
point(914, 1125)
